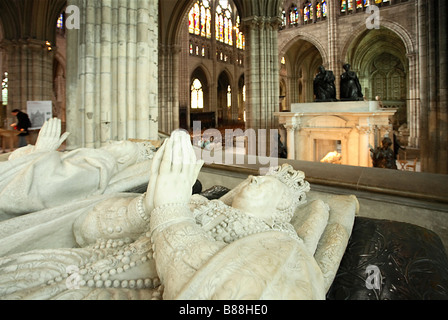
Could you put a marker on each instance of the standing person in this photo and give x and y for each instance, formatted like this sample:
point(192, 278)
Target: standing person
point(22, 125)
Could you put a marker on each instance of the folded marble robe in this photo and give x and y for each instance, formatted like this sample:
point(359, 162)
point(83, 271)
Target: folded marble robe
point(41, 180)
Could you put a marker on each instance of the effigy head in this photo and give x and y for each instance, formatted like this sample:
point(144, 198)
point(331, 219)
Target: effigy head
point(295, 192)
point(273, 197)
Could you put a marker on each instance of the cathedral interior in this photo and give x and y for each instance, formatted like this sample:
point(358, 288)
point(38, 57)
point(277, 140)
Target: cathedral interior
point(138, 70)
point(228, 64)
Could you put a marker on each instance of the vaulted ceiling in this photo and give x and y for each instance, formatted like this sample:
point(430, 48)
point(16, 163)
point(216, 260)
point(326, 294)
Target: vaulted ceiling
point(30, 19)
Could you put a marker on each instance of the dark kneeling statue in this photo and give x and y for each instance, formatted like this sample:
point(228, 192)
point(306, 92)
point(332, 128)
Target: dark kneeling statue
point(324, 87)
point(384, 156)
point(350, 87)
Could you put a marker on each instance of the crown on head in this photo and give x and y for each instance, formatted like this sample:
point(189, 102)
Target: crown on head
point(293, 179)
point(297, 189)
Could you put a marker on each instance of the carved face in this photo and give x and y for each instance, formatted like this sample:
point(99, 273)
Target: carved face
point(260, 196)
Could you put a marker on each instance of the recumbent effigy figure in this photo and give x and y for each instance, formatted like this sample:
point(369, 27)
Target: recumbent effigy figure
point(262, 240)
point(38, 177)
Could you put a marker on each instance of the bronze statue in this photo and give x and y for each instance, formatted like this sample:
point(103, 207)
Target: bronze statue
point(384, 156)
point(350, 87)
point(324, 87)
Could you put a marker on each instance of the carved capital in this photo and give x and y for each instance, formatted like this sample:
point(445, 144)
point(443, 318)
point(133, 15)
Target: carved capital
point(365, 130)
point(291, 128)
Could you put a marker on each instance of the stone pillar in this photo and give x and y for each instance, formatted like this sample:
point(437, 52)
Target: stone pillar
point(432, 26)
point(413, 103)
point(169, 88)
point(333, 39)
point(290, 140)
point(262, 70)
point(112, 74)
point(30, 73)
point(366, 139)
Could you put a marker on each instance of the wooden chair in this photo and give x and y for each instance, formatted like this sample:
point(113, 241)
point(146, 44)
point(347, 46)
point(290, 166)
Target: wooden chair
point(412, 167)
point(402, 163)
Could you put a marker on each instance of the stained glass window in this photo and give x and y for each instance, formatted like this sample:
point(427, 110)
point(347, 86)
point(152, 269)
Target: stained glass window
point(220, 13)
point(240, 40)
point(293, 15)
point(197, 95)
point(324, 9)
point(360, 4)
point(284, 22)
point(199, 19)
point(346, 5)
point(60, 22)
point(224, 25)
point(308, 12)
point(5, 89)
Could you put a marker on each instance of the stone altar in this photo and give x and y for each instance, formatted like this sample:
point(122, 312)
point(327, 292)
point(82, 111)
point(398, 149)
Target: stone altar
point(315, 129)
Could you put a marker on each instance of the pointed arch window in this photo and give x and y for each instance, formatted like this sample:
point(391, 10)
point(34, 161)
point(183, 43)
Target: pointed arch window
point(284, 21)
point(346, 6)
point(199, 19)
point(60, 22)
point(308, 12)
point(224, 24)
point(321, 9)
point(240, 39)
point(229, 96)
point(293, 15)
point(197, 95)
point(361, 4)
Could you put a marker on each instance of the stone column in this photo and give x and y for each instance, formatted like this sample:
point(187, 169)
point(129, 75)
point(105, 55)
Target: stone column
point(262, 70)
point(169, 88)
point(366, 139)
point(432, 26)
point(413, 103)
point(112, 75)
point(30, 70)
point(290, 140)
point(333, 65)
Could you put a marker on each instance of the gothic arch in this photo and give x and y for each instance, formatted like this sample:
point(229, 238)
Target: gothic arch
point(303, 58)
point(204, 76)
point(401, 32)
point(292, 38)
point(224, 112)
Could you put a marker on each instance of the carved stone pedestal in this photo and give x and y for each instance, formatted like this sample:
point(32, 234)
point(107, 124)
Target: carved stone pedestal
point(349, 128)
